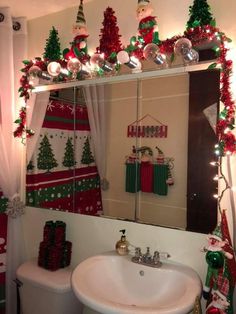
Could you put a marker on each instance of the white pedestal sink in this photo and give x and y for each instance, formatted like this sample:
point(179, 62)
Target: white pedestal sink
point(112, 284)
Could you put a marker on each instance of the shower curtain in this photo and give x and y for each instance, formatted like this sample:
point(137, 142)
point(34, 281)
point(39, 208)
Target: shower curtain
point(13, 36)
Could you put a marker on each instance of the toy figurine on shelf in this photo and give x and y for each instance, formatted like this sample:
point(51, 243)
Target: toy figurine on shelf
point(147, 29)
point(79, 47)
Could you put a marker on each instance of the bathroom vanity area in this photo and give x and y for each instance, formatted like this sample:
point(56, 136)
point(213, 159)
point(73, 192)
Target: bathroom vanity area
point(165, 95)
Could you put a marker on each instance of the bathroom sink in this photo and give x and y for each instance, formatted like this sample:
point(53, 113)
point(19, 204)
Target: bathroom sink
point(112, 284)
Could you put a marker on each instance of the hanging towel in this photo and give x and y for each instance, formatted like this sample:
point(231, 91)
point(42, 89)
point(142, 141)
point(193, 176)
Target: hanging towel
point(132, 184)
point(160, 186)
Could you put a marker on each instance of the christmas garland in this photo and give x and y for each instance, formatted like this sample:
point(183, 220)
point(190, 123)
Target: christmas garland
point(199, 36)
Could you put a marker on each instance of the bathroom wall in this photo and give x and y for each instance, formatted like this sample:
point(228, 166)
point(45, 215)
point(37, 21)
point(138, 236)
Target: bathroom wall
point(92, 235)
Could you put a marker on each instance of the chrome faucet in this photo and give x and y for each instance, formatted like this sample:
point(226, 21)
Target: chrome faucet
point(147, 259)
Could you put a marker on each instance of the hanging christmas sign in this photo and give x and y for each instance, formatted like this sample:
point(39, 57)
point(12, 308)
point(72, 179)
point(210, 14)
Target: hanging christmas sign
point(136, 130)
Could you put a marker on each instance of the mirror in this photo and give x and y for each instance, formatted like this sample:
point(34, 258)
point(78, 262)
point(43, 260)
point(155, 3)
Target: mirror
point(159, 143)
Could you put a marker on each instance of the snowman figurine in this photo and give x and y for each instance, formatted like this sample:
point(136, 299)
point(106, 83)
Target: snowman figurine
point(147, 29)
point(215, 258)
point(80, 32)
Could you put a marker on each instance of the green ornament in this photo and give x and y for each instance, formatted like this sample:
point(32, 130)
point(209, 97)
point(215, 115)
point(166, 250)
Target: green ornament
point(215, 259)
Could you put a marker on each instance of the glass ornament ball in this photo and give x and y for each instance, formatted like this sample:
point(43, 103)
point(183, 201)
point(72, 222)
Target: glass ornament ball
point(74, 66)
point(34, 71)
point(150, 51)
point(182, 46)
point(54, 68)
point(215, 259)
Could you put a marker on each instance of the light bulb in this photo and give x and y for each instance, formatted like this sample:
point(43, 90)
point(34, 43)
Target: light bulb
point(151, 52)
point(182, 46)
point(34, 71)
point(124, 58)
point(74, 66)
point(191, 56)
point(98, 60)
point(54, 68)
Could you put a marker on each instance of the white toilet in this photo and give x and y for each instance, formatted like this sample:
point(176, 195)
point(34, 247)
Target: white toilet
point(46, 292)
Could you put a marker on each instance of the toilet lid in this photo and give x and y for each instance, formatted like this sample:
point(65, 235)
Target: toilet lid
point(58, 281)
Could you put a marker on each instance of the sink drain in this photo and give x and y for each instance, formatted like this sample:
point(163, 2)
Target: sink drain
point(141, 273)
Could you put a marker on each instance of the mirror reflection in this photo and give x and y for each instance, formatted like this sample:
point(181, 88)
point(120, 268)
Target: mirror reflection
point(136, 150)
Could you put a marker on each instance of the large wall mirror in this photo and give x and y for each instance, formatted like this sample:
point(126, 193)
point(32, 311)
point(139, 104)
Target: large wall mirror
point(136, 150)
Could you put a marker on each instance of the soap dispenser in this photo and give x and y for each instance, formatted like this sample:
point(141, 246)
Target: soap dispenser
point(122, 244)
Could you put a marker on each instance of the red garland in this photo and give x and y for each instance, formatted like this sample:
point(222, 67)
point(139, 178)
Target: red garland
point(225, 125)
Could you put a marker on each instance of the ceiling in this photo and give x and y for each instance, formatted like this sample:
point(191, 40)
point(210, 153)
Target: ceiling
point(35, 8)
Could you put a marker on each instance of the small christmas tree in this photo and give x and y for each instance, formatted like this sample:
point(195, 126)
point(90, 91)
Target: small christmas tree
point(200, 14)
point(110, 42)
point(69, 160)
point(46, 160)
point(52, 51)
point(87, 157)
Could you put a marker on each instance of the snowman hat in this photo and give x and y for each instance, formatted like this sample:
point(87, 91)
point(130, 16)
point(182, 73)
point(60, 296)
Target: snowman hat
point(80, 20)
point(143, 2)
point(216, 234)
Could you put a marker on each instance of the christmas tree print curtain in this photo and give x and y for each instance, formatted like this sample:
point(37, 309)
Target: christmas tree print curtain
point(62, 173)
point(13, 38)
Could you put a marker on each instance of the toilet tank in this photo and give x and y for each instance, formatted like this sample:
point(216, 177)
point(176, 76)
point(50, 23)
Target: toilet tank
point(46, 292)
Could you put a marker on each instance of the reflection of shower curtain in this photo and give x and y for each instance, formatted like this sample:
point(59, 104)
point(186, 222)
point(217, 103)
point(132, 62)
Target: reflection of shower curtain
point(63, 163)
point(95, 101)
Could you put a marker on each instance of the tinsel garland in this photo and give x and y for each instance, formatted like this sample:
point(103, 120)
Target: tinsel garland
point(225, 125)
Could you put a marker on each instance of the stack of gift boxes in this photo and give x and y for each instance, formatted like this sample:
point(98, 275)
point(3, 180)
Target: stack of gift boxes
point(54, 250)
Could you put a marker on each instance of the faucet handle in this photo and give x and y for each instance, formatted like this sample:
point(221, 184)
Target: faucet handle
point(138, 252)
point(156, 257)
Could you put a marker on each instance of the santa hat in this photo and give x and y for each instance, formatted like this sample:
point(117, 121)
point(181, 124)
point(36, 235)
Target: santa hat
point(80, 15)
point(143, 2)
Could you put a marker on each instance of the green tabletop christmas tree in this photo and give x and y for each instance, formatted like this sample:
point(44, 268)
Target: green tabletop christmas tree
point(52, 50)
point(200, 14)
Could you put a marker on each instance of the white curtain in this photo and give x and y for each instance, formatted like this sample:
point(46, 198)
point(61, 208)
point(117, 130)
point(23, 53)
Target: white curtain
point(12, 52)
point(35, 116)
point(95, 101)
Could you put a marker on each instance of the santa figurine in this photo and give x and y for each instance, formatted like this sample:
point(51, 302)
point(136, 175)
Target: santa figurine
point(79, 45)
point(147, 29)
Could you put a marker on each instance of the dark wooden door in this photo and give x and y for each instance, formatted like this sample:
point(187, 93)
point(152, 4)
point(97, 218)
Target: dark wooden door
point(204, 90)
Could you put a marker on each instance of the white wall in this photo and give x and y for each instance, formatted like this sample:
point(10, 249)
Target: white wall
point(91, 235)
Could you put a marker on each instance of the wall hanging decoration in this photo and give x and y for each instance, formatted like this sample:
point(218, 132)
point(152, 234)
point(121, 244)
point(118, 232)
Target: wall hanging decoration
point(54, 250)
point(148, 174)
point(158, 130)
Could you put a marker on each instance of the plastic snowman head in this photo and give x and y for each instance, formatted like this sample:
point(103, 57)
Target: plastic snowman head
point(144, 11)
point(79, 29)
